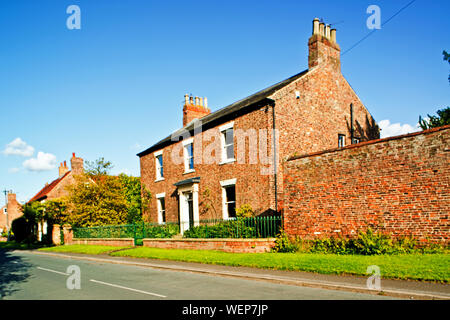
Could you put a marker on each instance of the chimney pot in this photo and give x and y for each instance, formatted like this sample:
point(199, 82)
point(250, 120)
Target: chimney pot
point(196, 101)
point(316, 22)
point(191, 99)
point(186, 99)
point(205, 102)
point(322, 29)
point(333, 35)
point(327, 32)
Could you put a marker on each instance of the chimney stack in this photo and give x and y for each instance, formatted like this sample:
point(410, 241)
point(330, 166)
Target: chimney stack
point(194, 109)
point(77, 165)
point(63, 169)
point(323, 49)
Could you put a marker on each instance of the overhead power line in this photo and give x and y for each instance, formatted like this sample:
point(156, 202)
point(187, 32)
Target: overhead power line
point(382, 25)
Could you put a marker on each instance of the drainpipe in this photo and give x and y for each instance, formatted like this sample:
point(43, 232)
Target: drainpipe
point(274, 155)
point(351, 123)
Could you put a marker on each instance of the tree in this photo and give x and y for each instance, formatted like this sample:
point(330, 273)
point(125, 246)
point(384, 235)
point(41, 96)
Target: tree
point(132, 191)
point(447, 58)
point(99, 167)
point(442, 119)
point(95, 203)
point(55, 210)
point(443, 115)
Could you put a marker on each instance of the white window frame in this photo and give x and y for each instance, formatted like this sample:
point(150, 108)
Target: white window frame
point(186, 143)
point(160, 196)
point(223, 130)
point(158, 167)
point(339, 140)
point(224, 184)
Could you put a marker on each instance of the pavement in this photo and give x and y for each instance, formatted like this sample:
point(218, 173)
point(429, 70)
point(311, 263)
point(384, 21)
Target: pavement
point(331, 286)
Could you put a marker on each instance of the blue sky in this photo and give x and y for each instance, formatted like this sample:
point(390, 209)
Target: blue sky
point(116, 86)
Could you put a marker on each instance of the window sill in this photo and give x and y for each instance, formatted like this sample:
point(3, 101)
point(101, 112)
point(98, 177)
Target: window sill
point(189, 171)
point(160, 179)
point(227, 161)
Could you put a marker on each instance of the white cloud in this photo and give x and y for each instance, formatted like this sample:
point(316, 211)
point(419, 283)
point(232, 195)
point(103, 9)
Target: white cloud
point(43, 162)
point(389, 129)
point(13, 170)
point(18, 147)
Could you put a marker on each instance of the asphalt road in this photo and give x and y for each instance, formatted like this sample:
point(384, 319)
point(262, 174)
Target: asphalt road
point(24, 275)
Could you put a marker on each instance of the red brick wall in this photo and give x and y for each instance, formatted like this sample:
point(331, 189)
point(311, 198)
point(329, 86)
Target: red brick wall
point(395, 185)
point(249, 180)
point(125, 242)
point(227, 245)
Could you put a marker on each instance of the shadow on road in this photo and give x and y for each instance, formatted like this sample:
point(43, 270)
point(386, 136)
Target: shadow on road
point(13, 271)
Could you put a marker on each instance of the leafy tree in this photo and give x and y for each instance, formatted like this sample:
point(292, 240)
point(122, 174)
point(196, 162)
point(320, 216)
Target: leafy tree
point(99, 202)
point(447, 58)
point(99, 167)
point(443, 115)
point(132, 191)
point(55, 210)
point(442, 119)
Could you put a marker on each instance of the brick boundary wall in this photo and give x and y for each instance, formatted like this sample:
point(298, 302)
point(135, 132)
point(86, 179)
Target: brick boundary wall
point(119, 242)
point(226, 245)
point(397, 185)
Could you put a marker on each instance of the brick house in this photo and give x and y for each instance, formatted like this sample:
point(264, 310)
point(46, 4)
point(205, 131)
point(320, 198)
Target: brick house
point(12, 212)
point(58, 187)
point(222, 160)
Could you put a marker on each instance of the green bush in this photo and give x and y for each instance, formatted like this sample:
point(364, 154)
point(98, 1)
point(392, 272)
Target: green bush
point(283, 244)
point(245, 211)
point(164, 231)
point(227, 229)
point(370, 243)
point(366, 243)
point(22, 230)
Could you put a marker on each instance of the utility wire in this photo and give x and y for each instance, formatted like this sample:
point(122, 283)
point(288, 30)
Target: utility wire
point(383, 24)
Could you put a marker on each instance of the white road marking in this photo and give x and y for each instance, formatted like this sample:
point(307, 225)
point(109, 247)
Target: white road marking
point(54, 271)
point(135, 290)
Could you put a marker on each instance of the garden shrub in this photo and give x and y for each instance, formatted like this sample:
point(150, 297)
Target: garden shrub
point(161, 231)
point(245, 211)
point(284, 244)
point(226, 229)
point(366, 243)
point(21, 229)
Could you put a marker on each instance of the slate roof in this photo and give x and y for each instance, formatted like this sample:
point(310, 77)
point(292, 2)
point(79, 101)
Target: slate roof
point(231, 111)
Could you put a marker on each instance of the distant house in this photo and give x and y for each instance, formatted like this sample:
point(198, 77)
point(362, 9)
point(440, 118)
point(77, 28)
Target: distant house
point(58, 187)
point(8, 213)
point(222, 160)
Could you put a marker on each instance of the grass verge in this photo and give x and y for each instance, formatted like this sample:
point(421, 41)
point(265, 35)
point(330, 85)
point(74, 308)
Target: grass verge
point(426, 267)
point(429, 267)
point(86, 249)
point(12, 245)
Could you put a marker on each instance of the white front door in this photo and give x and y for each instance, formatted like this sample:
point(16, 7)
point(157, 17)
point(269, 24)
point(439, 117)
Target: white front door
point(189, 214)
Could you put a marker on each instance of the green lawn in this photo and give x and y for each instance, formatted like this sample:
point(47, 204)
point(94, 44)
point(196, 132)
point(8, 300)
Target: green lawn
point(80, 248)
point(429, 267)
point(12, 245)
